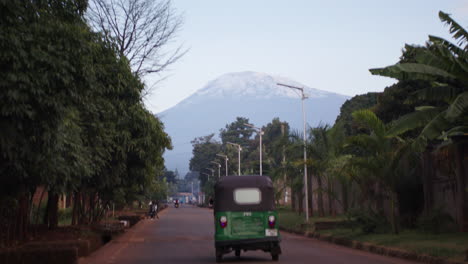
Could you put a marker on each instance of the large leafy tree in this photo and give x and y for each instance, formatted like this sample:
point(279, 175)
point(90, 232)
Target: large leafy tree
point(358, 102)
point(203, 153)
point(72, 117)
point(43, 79)
point(236, 132)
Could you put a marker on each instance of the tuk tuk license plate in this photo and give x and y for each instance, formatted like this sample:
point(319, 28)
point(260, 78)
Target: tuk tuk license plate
point(271, 232)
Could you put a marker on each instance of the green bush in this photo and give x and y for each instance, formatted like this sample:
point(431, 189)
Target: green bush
point(368, 221)
point(436, 221)
point(65, 216)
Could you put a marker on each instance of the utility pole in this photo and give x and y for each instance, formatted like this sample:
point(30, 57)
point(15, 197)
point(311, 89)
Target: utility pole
point(212, 171)
point(208, 175)
point(260, 132)
point(303, 97)
point(226, 159)
point(219, 168)
point(239, 149)
point(284, 164)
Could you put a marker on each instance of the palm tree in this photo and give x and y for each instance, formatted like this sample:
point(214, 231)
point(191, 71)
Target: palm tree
point(379, 166)
point(336, 168)
point(324, 160)
point(293, 166)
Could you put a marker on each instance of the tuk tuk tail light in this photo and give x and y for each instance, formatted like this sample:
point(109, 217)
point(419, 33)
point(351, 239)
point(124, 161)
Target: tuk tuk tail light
point(271, 221)
point(223, 221)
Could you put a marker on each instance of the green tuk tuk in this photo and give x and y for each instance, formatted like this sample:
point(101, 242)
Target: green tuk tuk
point(245, 216)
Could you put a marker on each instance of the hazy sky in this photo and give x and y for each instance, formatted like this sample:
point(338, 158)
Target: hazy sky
point(326, 44)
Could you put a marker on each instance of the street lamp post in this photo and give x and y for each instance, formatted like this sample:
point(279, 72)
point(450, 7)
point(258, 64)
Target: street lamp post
point(260, 132)
point(239, 149)
point(212, 171)
point(219, 168)
point(303, 97)
point(226, 159)
point(206, 174)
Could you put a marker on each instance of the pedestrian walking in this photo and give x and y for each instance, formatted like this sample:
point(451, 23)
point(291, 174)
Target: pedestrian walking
point(153, 210)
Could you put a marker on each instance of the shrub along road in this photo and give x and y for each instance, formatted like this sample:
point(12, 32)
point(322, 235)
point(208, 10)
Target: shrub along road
point(185, 235)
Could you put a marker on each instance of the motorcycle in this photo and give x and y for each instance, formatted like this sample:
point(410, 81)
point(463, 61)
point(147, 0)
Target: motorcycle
point(176, 205)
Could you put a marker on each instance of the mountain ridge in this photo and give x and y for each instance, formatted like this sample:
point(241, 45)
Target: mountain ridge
point(242, 94)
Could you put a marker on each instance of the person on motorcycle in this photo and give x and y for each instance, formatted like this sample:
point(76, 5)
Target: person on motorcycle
point(176, 203)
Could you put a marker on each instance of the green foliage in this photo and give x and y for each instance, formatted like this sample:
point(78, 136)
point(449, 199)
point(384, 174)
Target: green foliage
point(236, 132)
point(444, 67)
point(436, 221)
point(459, 33)
point(169, 176)
point(275, 140)
point(445, 245)
point(393, 102)
point(72, 116)
point(358, 102)
point(368, 221)
point(65, 216)
point(204, 151)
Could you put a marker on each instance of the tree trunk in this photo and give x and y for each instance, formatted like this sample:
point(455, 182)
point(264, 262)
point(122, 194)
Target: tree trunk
point(36, 221)
point(83, 209)
point(321, 210)
point(293, 199)
point(300, 201)
point(51, 214)
point(379, 199)
point(331, 210)
point(344, 193)
point(462, 189)
point(394, 213)
point(76, 211)
point(310, 194)
point(427, 176)
point(22, 216)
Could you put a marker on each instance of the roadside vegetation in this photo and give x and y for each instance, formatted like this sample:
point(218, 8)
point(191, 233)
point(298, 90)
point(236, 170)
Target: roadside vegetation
point(73, 123)
point(392, 167)
point(444, 244)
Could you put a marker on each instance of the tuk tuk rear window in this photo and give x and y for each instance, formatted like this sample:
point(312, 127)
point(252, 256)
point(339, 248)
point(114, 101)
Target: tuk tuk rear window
point(247, 196)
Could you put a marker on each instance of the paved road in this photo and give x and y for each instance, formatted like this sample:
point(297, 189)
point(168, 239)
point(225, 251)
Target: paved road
point(185, 235)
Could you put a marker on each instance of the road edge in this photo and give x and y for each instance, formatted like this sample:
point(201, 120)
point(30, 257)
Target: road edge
point(373, 248)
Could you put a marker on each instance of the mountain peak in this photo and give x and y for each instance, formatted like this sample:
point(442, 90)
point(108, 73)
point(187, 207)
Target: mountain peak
point(254, 84)
point(249, 94)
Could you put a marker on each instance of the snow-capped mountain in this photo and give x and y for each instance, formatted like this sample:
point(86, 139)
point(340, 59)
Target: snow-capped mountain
point(254, 84)
point(244, 94)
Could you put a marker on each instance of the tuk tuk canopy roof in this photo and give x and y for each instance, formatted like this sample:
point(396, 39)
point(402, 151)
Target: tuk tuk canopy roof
point(226, 186)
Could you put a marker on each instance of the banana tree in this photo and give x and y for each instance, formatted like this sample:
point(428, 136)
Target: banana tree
point(445, 66)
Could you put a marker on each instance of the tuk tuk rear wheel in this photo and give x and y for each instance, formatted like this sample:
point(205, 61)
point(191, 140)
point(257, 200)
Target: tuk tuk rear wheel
point(238, 252)
point(219, 255)
point(275, 257)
